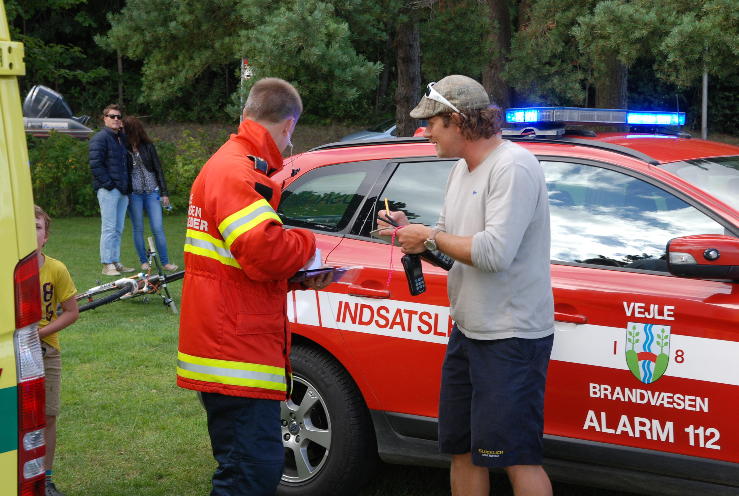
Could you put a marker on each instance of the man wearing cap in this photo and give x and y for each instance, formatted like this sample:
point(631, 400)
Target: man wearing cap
point(495, 224)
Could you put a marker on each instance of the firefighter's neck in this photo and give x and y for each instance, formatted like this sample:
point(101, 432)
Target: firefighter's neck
point(280, 131)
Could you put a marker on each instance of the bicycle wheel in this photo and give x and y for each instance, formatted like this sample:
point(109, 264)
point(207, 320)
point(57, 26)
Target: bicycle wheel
point(175, 276)
point(107, 295)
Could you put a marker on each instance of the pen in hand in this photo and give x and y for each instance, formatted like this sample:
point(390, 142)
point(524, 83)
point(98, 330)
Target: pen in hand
point(387, 217)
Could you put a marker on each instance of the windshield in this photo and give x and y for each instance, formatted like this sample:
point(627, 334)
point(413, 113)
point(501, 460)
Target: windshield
point(382, 127)
point(718, 176)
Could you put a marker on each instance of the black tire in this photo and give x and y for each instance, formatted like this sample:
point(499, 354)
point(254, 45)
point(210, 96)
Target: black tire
point(175, 276)
point(103, 297)
point(337, 417)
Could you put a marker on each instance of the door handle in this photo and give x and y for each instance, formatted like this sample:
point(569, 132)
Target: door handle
point(570, 317)
point(356, 290)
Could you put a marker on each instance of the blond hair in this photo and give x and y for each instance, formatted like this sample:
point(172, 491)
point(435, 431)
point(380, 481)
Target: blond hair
point(273, 100)
point(40, 213)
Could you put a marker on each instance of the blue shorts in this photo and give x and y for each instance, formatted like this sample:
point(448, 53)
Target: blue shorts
point(492, 399)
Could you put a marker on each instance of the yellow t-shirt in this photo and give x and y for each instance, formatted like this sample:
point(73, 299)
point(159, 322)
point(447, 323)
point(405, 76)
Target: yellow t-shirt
point(56, 287)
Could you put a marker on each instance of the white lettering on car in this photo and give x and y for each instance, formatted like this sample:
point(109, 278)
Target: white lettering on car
point(651, 311)
point(640, 427)
point(644, 397)
point(652, 429)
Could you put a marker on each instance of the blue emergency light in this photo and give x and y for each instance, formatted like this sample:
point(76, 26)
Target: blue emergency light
point(577, 115)
point(656, 118)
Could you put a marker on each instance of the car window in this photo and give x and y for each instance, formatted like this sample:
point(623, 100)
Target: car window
point(718, 176)
point(328, 197)
point(605, 217)
point(416, 188)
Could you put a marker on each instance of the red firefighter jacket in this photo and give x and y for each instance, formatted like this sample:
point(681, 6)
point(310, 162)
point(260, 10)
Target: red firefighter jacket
point(238, 257)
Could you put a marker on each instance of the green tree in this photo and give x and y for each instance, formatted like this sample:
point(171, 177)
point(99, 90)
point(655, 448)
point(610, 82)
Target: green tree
point(307, 44)
point(301, 41)
point(568, 51)
point(545, 64)
point(703, 36)
point(60, 51)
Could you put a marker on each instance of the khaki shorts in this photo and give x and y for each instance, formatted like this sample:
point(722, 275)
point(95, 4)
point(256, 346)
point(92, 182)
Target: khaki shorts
point(53, 371)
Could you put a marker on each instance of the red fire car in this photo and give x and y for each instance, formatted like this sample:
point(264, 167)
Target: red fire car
point(645, 272)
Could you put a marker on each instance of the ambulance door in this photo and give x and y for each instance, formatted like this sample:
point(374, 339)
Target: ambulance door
point(397, 340)
point(641, 358)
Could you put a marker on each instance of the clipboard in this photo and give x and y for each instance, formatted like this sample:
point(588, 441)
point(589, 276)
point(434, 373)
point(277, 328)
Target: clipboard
point(302, 275)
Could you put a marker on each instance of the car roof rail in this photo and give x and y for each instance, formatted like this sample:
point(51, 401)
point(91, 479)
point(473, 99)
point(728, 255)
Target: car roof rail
point(369, 142)
point(623, 150)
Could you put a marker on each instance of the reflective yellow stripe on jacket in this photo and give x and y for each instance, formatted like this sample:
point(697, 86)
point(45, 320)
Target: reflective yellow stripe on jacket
point(205, 245)
point(231, 373)
point(245, 219)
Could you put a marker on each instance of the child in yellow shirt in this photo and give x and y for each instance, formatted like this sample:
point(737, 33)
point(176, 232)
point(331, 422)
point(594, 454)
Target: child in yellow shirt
point(57, 288)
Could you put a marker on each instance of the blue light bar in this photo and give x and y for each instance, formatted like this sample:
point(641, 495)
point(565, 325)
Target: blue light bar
point(576, 115)
point(656, 118)
point(522, 116)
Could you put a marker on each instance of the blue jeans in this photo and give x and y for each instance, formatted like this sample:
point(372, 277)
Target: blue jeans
point(149, 202)
point(113, 206)
point(245, 437)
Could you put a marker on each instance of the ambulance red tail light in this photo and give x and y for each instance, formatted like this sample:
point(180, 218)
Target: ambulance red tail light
point(707, 256)
point(30, 373)
point(27, 292)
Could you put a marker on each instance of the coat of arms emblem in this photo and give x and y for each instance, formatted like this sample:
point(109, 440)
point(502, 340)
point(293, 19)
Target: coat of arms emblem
point(647, 350)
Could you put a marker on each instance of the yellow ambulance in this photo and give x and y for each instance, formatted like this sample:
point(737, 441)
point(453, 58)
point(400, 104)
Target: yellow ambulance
point(22, 409)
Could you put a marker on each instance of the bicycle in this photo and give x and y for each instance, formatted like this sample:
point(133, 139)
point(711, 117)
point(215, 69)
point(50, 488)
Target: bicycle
point(141, 284)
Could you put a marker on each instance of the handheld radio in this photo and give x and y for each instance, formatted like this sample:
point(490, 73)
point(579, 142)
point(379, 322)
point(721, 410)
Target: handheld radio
point(412, 264)
point(414, 274)
point(433, 257)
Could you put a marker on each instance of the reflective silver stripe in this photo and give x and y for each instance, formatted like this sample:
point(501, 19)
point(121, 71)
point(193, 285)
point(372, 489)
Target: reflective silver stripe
point(247, 218)
point(224, 252)
point(236, 373)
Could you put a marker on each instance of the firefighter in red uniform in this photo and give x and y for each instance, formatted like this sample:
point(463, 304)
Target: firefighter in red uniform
point(234, 345)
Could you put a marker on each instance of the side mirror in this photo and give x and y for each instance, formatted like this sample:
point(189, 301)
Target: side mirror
point(707, 256)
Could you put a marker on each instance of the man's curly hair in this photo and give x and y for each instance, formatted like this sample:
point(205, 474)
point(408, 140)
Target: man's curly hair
point(478, 123)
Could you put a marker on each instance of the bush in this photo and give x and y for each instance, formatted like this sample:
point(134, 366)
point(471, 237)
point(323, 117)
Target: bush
point(181, 162)
point(62, 182)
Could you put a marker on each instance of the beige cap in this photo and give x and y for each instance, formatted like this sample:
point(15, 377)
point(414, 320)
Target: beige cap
point(463, 92)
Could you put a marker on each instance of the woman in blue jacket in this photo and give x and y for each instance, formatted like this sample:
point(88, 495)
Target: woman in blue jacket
point(148, 191)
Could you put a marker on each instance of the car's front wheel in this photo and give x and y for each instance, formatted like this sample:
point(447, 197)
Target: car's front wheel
point(329, 443)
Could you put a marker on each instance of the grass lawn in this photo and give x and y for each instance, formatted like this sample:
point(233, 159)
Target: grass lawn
point(125, 427)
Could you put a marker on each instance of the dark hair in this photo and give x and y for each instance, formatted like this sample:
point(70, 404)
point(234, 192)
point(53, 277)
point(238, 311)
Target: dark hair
point(112, 106)
point(478, 123)
point(39, 213)
point(135, 133)
point(273, 100)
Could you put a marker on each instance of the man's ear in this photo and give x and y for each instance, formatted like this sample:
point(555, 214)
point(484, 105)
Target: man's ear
point(288, 125)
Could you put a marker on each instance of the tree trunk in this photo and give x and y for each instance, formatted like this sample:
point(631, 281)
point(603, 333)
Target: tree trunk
point(382, 89)
point(408, 59)
point(120, 77)
point(611, 88)
point(499, 42)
